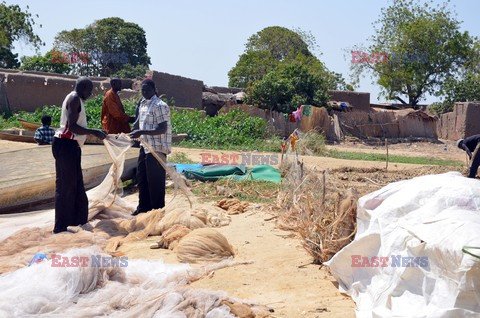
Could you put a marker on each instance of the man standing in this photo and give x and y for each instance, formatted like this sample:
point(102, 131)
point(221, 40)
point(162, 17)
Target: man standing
point(114, 118)
point(471, 144)
point(71, 202)
point(154, 128)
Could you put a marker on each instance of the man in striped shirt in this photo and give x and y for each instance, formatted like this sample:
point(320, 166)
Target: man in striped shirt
point(155, 129)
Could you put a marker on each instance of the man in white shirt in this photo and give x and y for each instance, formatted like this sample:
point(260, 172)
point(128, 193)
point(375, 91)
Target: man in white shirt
point(71, 202)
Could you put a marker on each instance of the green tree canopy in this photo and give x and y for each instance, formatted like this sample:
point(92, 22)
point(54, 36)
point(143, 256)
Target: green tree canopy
point(287, 87)
point(15, 25)
point(280, 42)
point(43, 64)
point(280, 72)
point(109, 35)
point(272, 46)
point(425, 47)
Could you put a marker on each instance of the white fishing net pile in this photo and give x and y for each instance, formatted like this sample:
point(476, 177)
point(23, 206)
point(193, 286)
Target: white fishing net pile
point(142, 289)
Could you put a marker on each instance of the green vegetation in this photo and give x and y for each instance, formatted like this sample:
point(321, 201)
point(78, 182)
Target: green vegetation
point(17, 25)
point(280, 71)
point(234, 130)
point(287, 87)
point(458, 90)
point(413, 28)
point(391, 158)
point(44, 64)
point(106, 36)
point(179, 157)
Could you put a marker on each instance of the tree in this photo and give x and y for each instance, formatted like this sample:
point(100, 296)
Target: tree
point(287, 87)
point(272, 46)
point(103, 39)
point(16, 25)
point(44, 64)
point(251, 67)
point(458, 90)
point(424, 45)
point(129, 71)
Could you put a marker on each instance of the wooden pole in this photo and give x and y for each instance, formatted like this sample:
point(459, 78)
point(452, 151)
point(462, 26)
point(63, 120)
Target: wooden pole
point(386, 146)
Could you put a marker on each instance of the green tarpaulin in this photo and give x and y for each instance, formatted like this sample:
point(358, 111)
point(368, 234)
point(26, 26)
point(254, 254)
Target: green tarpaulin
point(238, 172)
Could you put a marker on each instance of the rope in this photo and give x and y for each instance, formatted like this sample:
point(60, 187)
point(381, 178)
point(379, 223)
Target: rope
point(464, 249)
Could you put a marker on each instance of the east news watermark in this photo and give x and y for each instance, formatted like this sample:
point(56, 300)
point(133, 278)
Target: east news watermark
point(81, 261)
point(244, 158)
point(89, 57)
point(392, 261)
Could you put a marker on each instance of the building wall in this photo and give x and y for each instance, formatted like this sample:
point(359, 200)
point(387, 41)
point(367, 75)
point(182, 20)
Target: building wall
point(461, 122)
point(359, 100)
point(185, 91)
point(29, 92)
point(389, 124)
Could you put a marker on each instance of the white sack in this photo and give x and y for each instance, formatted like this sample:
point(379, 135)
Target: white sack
point(430, 216)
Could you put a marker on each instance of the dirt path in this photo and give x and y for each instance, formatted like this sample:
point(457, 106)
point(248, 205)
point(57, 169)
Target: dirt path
point(444, 149)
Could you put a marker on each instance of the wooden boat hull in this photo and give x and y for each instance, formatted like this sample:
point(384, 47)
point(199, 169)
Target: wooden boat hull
point(17, 135)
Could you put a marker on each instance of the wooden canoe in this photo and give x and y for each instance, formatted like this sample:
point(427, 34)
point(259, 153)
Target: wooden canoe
point(17, 135)
point(90, 139)
point(29, 126)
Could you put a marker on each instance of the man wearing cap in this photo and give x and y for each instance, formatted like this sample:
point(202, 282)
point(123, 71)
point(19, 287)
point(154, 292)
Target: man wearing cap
point(471, 144)
point(155, 129)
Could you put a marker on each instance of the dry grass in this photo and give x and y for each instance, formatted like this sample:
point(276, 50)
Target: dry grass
point(321, 205)
point(324, 219)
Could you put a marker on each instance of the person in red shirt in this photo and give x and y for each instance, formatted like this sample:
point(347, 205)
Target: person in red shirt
point(114, 118)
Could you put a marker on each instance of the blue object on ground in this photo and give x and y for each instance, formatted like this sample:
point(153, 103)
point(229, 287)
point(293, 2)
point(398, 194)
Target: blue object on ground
point(38, 258)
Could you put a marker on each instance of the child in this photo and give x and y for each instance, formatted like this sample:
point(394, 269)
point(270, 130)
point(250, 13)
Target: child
point(44, 134)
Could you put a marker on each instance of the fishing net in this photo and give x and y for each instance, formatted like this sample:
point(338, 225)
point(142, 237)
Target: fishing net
point(144, 288)
point(141, 289)
point(110, 223)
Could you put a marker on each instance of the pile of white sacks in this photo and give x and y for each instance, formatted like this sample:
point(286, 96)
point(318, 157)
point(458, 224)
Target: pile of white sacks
point(407, 259)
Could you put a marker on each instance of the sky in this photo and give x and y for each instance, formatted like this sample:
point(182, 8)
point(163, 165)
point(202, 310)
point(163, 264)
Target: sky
point(204, 39)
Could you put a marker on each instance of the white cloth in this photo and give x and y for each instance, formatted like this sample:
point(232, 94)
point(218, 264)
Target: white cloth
point(430, 217)
point(63, 131)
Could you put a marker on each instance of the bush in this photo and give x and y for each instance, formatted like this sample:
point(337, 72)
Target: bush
point(229, 130)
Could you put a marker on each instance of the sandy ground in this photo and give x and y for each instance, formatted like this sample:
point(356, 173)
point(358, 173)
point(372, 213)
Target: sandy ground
point(282, 276)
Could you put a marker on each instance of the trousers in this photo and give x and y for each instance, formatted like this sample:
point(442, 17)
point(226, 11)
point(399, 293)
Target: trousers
point(71, 202)
point(475, 162)
point(151, 181)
